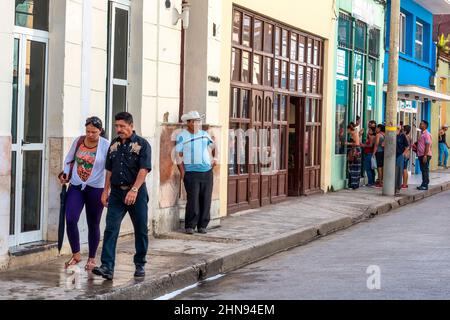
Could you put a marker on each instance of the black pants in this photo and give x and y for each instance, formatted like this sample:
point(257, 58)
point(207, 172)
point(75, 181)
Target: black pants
point(199, 186)
point(425, 168)
point(139, 216)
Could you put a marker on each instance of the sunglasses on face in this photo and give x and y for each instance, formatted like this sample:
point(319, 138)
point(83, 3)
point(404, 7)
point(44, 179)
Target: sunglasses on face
point(95, 122)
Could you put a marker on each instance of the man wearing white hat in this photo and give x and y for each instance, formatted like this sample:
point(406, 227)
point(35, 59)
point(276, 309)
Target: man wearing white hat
point(443, 147)
point(195, 164)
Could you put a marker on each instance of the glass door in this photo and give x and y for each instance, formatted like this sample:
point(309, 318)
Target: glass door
point(28, 132)
point(358, 99)
point(118, 56)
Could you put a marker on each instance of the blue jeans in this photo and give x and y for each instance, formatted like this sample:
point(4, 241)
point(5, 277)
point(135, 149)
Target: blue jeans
point(443, 154)
point(139, 216)
point(399, 165)
point(368, 168)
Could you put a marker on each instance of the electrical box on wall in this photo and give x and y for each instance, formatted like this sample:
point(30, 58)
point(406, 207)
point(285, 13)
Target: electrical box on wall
point(433, 82)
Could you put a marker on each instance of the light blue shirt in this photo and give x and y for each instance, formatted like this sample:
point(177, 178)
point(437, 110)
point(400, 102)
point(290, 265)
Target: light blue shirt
point(195, 150)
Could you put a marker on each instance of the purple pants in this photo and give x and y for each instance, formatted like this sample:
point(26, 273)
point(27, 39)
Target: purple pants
point(75, 201)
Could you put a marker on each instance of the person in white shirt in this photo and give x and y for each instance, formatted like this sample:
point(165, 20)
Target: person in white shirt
point(84, 168)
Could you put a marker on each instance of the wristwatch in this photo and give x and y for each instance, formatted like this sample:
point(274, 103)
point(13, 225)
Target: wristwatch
point(134, 189)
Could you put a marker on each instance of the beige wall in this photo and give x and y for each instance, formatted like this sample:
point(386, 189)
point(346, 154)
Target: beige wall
point(443, 86)
point(6, 70)
point(154, 72)
point(315, 17)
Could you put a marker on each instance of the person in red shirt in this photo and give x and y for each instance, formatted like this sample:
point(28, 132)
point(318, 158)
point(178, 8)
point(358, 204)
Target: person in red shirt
point(368, 153)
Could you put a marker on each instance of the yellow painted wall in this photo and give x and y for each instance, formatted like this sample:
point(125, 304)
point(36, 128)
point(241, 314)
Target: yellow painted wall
point(443, 107)
point(315, 17)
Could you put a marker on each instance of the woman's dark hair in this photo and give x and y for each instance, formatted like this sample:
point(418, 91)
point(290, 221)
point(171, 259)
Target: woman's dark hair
point(407, 129)
point(381, 127)
point(125, 116)
point(96, 122)
point(372, 130)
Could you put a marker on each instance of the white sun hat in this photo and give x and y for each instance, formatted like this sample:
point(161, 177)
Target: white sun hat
point(192, 115)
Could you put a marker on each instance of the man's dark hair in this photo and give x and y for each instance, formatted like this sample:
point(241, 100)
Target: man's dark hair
point(407, 129)
point(358, 118)
point(125, 116)
point(425, 123)
point(381, 127)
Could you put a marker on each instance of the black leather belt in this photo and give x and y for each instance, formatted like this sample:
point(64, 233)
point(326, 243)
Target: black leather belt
point(125, 188)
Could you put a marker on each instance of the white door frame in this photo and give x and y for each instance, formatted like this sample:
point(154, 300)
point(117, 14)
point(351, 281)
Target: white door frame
point(126, 6)
point(24, 35)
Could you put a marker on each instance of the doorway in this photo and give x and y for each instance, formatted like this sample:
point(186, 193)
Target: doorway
point(295, 158)
point(28, 138)
point(358, 98)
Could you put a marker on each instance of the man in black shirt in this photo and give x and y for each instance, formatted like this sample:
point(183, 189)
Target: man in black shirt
point(127, 165)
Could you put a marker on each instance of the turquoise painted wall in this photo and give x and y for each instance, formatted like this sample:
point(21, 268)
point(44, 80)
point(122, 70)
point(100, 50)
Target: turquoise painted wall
point(338, 163)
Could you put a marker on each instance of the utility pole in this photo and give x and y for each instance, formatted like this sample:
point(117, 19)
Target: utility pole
point(391, 103)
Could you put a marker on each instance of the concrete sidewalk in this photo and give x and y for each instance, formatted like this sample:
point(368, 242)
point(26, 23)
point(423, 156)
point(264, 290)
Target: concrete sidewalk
point(177, 260)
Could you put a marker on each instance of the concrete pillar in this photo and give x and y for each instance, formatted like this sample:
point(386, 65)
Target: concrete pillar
point(6, 75)
point(203, 59)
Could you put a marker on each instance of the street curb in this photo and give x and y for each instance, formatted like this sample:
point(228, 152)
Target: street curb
point(253, 252)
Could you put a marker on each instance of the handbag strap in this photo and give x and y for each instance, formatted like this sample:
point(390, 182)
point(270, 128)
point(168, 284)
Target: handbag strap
point(79, 143)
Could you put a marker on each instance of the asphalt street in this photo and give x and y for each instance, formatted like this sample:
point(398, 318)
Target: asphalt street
point(404, 254)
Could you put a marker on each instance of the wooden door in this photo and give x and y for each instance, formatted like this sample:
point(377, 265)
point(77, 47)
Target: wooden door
point(294, 148)
point(253, 135)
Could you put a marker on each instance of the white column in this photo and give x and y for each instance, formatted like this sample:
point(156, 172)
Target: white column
point(86, 61)
point(6, 73)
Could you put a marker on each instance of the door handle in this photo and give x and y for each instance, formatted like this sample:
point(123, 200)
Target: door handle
point(25, 142)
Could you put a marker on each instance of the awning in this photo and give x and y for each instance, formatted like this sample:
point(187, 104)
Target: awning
point(411, 92)
point(435, 6)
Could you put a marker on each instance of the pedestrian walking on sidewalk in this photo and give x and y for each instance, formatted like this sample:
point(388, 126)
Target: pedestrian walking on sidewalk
point(84, 168)
point(424, 152)
point(379, 153)
point(127, 166)
point(402, 146)
point(353, 157)
point(406, 156)
point(443, 147)
point(195, 150)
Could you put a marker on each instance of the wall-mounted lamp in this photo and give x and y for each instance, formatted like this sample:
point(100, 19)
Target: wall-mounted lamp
point(407, 95)
point(184, 15)
point(168, 4)
point(434, 101)
point(417, 97)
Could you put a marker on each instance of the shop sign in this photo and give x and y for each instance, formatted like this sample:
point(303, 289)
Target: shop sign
point(407, 106)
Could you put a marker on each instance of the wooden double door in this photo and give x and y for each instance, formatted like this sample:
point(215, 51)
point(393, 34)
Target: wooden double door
point(304, 151)
point(262, 142)
point(279, 148)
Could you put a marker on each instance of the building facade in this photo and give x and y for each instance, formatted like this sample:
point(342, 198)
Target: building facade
point(417, 67)
point(276, 91)
point(63, 61)
point(358, 74)
point(440, 111)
